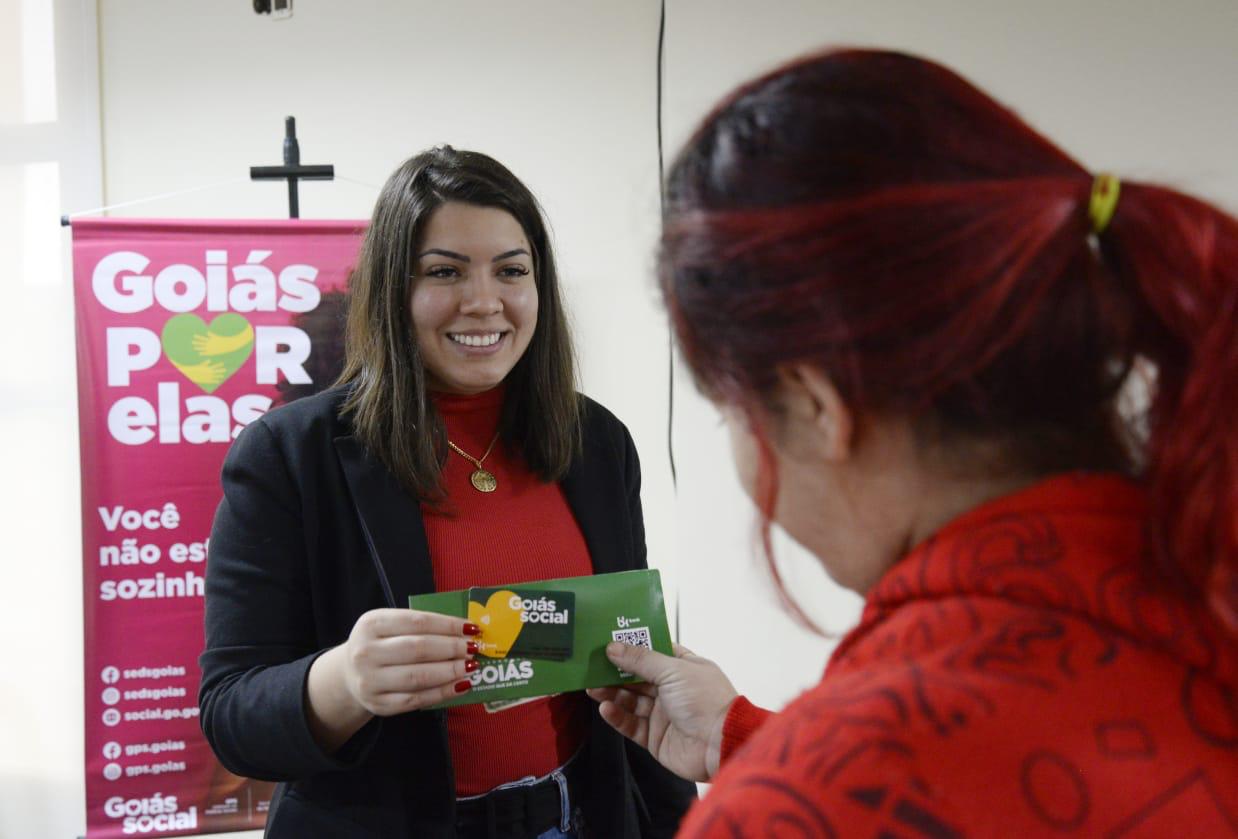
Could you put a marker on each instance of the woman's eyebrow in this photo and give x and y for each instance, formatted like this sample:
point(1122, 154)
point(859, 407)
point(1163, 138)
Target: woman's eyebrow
point(443, 252)
point(510, 254)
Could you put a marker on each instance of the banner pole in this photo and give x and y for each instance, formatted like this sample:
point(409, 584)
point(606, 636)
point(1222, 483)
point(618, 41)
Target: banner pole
point(292, 170)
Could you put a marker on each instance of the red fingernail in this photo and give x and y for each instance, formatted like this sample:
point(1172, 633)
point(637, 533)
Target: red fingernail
point(463, 685)
point(470, 665)
point(472, 629)
point(473, 647)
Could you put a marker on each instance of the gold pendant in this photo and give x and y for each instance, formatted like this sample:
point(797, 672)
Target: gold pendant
point(483, 481)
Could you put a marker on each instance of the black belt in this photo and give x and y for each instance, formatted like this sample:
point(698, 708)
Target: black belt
point(519, 812)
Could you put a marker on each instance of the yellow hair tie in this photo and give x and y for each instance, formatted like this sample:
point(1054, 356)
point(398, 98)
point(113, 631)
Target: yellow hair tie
point(1104, 201)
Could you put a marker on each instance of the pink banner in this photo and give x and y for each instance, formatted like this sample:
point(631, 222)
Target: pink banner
point(186, 332)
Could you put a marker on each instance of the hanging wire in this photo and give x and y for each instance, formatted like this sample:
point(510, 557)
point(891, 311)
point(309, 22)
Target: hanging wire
point(374, 187)
point(670, 341)
point(65, 219)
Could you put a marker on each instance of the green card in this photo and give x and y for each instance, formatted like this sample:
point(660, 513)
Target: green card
point(550, 636)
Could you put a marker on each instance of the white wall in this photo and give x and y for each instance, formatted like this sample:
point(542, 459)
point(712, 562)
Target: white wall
point(49, 159)
point(193, 93)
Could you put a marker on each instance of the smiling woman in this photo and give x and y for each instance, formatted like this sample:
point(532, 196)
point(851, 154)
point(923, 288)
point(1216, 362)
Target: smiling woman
point(454, 452)
point(474, 302)
point(438, 276)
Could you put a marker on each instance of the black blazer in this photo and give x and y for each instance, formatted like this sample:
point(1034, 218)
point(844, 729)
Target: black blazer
point(311, 533)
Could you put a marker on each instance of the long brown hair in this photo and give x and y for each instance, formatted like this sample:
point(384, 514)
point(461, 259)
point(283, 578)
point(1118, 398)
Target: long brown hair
point(877, 215)
point(390, 409)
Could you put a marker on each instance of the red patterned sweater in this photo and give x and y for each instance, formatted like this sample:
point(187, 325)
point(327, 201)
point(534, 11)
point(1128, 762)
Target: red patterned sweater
point(1020, 673)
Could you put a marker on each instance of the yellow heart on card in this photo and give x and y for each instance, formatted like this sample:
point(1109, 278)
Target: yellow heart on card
point(500, 623)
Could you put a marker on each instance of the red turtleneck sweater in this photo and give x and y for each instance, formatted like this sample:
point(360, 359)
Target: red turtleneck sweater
point(523, 531)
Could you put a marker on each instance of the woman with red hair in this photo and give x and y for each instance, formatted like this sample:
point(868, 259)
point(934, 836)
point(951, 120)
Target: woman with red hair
point(923, 323)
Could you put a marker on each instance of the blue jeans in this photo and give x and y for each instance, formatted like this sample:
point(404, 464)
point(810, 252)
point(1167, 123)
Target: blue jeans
point(569, 816)
point(567, 824)
point(555, 833)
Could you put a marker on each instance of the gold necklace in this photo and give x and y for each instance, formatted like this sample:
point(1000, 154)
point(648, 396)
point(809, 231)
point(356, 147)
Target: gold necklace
point(482, 479)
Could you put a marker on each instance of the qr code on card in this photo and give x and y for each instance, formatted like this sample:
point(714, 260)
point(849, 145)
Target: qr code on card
point(635, 637)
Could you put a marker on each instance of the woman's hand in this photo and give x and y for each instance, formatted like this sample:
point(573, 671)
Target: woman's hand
point(677, 715)
point(394, 661)
point(399, 660)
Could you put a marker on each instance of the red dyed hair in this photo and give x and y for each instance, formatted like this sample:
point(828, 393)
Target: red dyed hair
point(878, 216)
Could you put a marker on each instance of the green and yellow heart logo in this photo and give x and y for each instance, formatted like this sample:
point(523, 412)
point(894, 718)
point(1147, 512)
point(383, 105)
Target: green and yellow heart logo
point(208, 355)
point(499, 622)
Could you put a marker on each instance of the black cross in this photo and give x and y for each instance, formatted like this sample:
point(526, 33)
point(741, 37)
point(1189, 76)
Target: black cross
point(292, 170)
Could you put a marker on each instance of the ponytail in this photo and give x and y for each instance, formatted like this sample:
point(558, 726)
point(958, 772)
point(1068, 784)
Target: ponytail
point(1180, 258)
point(878, 216)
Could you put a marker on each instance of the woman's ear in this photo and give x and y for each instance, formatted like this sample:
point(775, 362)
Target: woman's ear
point(816, 413)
